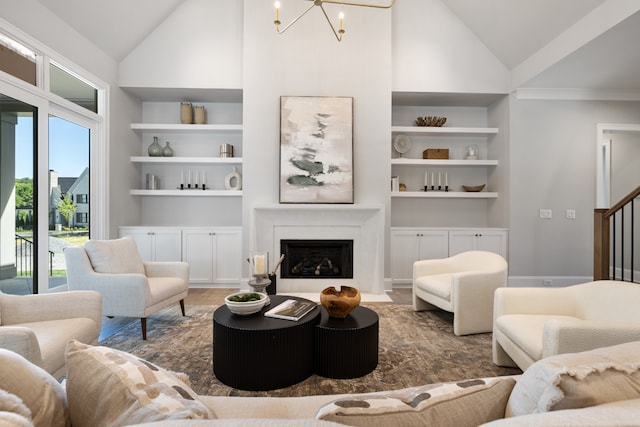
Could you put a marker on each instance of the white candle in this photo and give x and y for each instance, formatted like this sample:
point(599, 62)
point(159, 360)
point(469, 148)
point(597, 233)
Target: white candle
point(197, 179)
point(189, 178)
point(204, 178)
point(439, 178)
point(446, 179)
point(433, 181)
point(426, 175)
point(181, 177)
point(259, 266)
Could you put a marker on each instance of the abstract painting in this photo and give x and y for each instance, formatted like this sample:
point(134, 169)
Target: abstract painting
point(316, 149)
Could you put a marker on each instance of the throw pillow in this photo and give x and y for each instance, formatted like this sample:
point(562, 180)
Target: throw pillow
point(10, 403)
point(36, 388)
point(578, 380)
point(117, 256)
point(107, 387)
point(455, 404)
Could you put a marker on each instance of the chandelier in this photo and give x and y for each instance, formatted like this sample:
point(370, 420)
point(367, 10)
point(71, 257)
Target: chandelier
point(319, 3)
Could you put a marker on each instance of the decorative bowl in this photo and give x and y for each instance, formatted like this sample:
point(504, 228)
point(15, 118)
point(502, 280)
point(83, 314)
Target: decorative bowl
point(473, 188)
point(245, 308)
point(340, 303)
point(431, 121)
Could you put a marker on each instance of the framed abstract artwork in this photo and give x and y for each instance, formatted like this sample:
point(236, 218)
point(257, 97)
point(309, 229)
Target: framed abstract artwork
point(316, 149)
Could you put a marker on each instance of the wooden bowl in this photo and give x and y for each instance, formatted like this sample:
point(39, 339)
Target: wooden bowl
point(340, 303)
point(473, 188)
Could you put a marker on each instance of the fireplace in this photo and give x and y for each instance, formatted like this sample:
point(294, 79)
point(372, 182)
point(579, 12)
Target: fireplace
point(316, 259)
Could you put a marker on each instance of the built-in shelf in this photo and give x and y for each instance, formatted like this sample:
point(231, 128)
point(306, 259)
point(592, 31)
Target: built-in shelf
point(445, 194)
point(423, 162)
point(180, 128)
point(186, 160)
point(452, 131)
point(188, 193)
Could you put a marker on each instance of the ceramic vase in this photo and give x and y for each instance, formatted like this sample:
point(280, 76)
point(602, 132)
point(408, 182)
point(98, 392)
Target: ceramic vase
point(186, 113)
point(340, 303)
point(155, 149)
point(200, 115)
point(233, 181)
point(167, 151)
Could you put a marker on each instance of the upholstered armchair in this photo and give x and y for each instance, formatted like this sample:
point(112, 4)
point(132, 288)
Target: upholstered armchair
point(533, 323)
point(463, 285)
point(38, 327)
point(130, 287)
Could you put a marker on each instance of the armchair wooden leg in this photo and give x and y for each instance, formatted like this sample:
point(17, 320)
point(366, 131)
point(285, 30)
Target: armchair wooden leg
point(182, 306)
point(143, 323)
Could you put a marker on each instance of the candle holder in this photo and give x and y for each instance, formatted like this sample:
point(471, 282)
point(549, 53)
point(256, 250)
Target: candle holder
point(259, 285)
point(259, 264)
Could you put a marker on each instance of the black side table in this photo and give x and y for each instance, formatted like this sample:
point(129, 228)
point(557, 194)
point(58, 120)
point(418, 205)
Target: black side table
point(347, 348)
point(261, 353)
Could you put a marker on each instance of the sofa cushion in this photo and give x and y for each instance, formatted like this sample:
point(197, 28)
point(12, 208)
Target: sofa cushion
point(578, 380)
point(437, 284)
point(245, 422)
point(38, 390)
point(117, 256)
point(109, 387)
point(459, 404)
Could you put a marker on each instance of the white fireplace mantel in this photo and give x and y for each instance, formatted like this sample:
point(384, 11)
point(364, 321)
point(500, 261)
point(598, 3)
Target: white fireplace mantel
point(362, 223)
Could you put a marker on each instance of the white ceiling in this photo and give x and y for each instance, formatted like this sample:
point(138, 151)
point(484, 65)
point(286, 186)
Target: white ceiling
point(513, 30)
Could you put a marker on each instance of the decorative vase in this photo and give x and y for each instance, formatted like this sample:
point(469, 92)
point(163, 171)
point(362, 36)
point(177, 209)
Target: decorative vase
point(233, 181)
point(200, 115)
point(340, 303)
point(155, 149)
point(186, 113)
point(167, 151)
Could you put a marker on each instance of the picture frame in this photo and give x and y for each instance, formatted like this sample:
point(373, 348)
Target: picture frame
point(316, 149)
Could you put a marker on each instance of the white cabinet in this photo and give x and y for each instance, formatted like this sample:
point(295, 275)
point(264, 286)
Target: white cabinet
point(491, 240)
point(214, 254)
point(410, 245)
point(156, 243)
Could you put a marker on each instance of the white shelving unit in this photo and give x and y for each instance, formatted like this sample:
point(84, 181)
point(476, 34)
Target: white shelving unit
point(442, 131)
point(445, 194)
point(180, 128)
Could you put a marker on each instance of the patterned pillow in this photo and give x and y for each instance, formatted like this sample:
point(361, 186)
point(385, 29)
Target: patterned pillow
point(117, 256)
point(459, 404)
point(109, 387)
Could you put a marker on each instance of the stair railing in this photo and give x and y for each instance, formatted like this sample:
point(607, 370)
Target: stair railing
point(611, 238)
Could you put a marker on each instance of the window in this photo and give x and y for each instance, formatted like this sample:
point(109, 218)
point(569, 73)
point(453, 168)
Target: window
point(82, 218)
point(82, 198)
point(17, 60)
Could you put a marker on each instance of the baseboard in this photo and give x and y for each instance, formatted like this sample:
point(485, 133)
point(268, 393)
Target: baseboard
point(546, 281)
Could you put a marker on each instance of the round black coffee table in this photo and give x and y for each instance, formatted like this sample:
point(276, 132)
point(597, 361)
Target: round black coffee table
point(261, 353)
point(347, 348)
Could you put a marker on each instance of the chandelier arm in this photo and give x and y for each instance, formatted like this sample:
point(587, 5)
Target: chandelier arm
point(280, 31)
point(347, 3)
point(335, 33)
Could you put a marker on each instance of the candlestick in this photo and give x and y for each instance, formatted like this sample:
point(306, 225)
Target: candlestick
point(341, 21)
point(446, 179)
point(181, 178)
point(433, 181)
point(439, 179)
point(426, 175)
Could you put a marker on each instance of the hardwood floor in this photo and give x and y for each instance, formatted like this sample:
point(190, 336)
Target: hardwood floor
point(208, 296)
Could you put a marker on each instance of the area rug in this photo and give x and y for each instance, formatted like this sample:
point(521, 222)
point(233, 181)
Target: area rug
point(415, 348)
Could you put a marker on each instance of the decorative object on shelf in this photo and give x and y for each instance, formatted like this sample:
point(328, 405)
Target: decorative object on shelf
point(186, 113)
point(155, 149)
point(436, 154)
point(473, 188)
point(472, 152)
point(340, 303)
point(245, 303)
point(395, 183)
point(402, 144)
point(439, 186)
point(200, 114)
point(316, 149)
point(152, 182)
point(167, 151)
point(402, 187)
point(193, 184)
point(431, 121)
point(233, 181)
point(338, 33)
point(226, 150)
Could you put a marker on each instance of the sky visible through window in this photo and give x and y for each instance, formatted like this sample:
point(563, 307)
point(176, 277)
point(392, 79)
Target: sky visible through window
point(68, 147)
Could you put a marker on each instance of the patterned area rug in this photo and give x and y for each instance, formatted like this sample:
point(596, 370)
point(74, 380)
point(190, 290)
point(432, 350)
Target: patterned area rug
point(415, 348)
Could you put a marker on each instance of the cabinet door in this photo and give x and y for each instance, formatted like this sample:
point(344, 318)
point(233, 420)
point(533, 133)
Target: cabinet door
point(198, 251)
point(461, 241)
point(144, 241)
point(166, 245)
point(493, 241)
point(228, 256)
point(404, 252)
point(433, 245)
point(483, 240)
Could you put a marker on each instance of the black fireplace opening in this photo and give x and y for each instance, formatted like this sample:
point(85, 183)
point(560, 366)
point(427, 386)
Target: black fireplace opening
point(316, 259)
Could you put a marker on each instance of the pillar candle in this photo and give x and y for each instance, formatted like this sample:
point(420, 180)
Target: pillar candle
point(259, 266)
point(446, 179)
point(439, 178)
point(426, 174)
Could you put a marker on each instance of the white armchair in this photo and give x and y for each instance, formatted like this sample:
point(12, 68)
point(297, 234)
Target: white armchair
point(462, 284)
point(533, 323)
point(38, 327)
point(129, 286)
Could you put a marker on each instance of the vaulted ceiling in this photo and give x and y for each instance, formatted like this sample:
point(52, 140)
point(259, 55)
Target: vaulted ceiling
point(546, 43)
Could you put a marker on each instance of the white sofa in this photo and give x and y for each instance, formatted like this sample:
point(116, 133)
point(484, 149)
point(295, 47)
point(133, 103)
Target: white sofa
point(108, 387)
point(130, 287)
point(534, 323)
point(39, 326)
point(463, 285)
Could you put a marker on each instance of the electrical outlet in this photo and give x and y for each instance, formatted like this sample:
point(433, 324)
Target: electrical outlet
point(546, 213)
point(571, 214)
point(546, 282)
